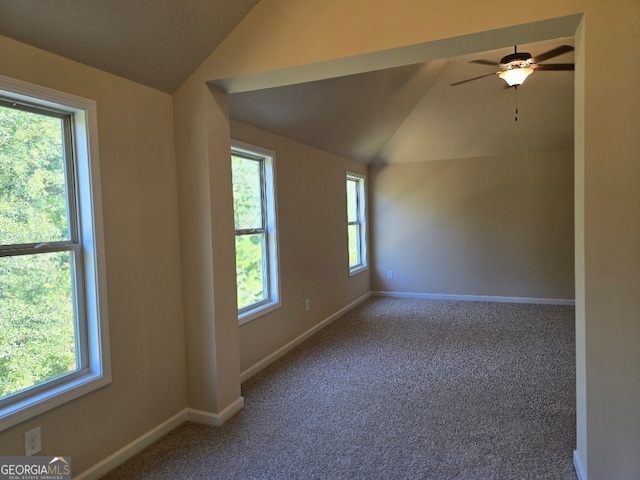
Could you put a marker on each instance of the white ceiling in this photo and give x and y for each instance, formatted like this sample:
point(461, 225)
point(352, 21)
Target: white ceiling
point(158, 43)
point(404, 114)
point(412, 113)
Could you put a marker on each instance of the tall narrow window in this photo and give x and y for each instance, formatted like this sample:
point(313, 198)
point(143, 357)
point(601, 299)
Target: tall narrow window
point(51, 325)
point(356, 223)
point(255, 230)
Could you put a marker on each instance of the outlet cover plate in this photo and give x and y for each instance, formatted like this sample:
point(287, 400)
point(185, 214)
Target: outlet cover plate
point(32, 442)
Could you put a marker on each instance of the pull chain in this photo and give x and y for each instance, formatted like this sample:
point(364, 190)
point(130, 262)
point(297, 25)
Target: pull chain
point(515, 91)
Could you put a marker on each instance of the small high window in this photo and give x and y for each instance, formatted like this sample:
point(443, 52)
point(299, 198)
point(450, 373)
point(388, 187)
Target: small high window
point(255, 230)
point(356, 223)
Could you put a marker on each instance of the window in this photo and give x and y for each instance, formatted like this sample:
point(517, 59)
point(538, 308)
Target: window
point(53, 335)
point(356, 223)
point(255, 230)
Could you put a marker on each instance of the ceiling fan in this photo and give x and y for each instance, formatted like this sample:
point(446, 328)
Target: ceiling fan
point(517, 66)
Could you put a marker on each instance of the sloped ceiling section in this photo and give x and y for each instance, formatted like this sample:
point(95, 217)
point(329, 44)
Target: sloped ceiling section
point(158, 43)
point(352, 116)
point(403, 114)
point(412, 113)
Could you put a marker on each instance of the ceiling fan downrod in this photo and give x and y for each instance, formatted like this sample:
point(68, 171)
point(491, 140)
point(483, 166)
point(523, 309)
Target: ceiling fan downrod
point(515, 92)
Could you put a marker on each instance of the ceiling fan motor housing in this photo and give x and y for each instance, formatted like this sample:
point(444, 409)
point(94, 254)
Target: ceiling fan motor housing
point(517, 60)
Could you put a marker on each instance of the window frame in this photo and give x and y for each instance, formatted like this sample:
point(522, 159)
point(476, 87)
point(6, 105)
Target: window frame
point(360, 221)
point(86, 241)
point(268, 228)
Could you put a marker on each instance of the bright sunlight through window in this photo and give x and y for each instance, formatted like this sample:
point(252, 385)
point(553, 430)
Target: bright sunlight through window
point(356, 224)
point(255, 230)
point(51, 348)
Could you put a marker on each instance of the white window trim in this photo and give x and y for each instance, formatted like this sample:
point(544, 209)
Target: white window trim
point(85, 132)
point(362, 215)
point(273, 302)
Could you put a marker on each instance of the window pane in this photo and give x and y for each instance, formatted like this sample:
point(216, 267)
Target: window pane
point(247, 193)
point(352, 200)
point(37, 325)
point(354, 245)
point(250, 269)
point(33, 199)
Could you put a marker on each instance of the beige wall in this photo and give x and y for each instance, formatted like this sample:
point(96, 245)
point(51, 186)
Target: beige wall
point(207, 246)
point(611, 238)
point(312, 236)
point(278, 42)
point(498, 226)
point(283, 41)
point(203, 146)
point(139, 200)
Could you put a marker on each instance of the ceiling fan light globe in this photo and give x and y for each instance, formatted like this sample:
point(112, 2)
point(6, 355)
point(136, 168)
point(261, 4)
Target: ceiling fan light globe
point(515, 76)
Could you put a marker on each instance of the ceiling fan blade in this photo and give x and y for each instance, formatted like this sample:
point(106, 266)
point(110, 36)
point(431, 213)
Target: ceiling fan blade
point(485, 62)
point(472, 79)
point(556, 66)
point(553, 53)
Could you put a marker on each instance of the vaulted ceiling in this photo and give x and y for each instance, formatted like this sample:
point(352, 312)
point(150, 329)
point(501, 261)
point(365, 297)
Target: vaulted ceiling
point(402, 114)
point(158, 43)
point(413, 113)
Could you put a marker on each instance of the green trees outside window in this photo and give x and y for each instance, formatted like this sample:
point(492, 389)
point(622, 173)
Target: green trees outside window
point(37, 312)
point(250, 230)
point(356, 222)
point(254, 218)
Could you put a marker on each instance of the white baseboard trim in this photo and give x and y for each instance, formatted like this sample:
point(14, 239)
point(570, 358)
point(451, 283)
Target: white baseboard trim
point(577, 464)
point(215, 419)
point(265, 362)
point(125, 453)
point(477, 298)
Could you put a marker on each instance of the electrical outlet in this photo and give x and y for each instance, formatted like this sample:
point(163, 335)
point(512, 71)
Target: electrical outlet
point(389, 274)
point(306, 305)
point(32, 442)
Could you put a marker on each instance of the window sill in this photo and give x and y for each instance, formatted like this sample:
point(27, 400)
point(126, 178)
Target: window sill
point(38, 404)
point(258, 312)
point(357, 270)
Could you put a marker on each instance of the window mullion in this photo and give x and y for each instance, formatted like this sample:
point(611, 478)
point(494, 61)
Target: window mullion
point(265, 227)
point(34, 249)
point(251, 231)
point(263, 196)
point(70, 172)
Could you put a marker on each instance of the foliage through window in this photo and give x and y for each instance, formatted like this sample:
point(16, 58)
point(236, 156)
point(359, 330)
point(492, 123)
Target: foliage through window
point(45, 343)
point(255, 232)
point(356, 224)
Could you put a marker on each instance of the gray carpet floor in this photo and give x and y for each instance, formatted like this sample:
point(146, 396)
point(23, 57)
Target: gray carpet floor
point(398, 389)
